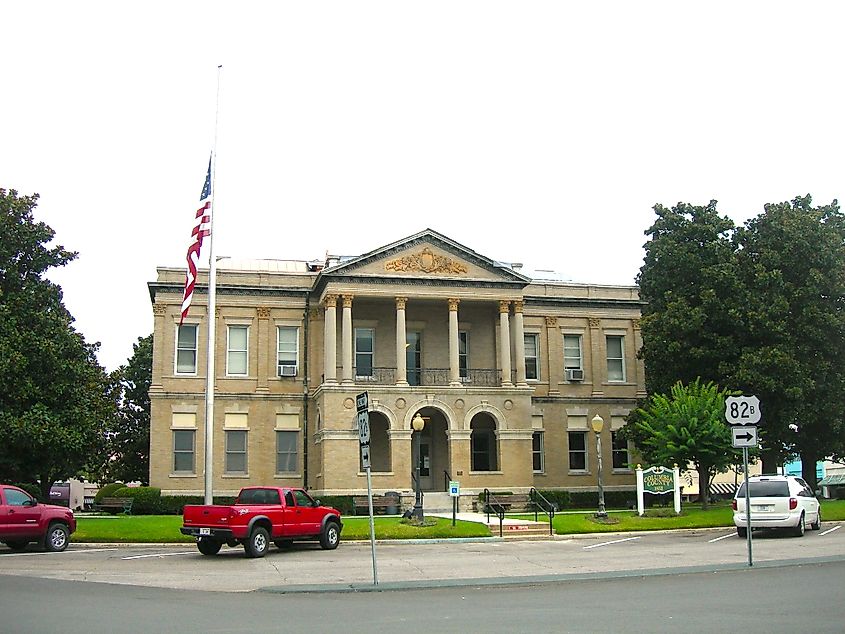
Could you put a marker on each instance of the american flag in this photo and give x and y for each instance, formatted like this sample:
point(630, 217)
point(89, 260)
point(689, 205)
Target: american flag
point(201, 229)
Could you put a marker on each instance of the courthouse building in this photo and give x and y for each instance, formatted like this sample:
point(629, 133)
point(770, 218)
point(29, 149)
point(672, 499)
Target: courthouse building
point(506, 370)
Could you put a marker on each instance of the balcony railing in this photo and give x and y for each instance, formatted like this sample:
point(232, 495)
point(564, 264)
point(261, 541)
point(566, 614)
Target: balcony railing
point(428, 376)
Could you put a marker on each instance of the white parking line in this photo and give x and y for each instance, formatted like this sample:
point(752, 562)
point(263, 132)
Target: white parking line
point(615, 541)
point(830, 530)
point(42, 552)
point(190, 552)
point(718, 539)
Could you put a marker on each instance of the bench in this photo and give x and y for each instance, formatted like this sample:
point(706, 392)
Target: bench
point(115, 505)
point(506, 503)
point(380, 503)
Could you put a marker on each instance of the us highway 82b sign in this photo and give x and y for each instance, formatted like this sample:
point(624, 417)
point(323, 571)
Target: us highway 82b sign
point(742, 410)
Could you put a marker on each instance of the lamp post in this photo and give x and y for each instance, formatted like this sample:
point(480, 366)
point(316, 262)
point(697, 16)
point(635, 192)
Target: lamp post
point(598, 424)
point(418, 423)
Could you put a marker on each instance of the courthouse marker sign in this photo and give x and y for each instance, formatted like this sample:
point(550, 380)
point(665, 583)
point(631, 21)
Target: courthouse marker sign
point(658, 481)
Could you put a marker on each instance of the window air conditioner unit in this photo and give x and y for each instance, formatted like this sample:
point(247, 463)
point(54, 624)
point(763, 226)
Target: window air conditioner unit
point(287, 370)
point(574, 374)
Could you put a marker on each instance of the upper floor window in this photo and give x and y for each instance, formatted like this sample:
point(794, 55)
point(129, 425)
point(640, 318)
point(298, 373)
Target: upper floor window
point(186, 349)
point(287, 355)
point(615, 358)
point(237, 360)
point(463, 354)
point(365, 339)
point(572, 352)
point(532, 365)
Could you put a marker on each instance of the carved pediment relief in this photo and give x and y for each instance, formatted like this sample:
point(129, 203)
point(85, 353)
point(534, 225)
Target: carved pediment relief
point(426, 261)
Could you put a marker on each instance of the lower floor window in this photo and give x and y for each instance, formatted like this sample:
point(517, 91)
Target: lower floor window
point(183, 450)
point(286, 452)
point(483, 445)
point(537, 451)
point(621, 457)
point(577, 451)
point(236, 451)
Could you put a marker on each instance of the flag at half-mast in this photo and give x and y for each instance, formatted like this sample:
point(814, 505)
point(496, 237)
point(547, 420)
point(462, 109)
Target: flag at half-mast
point(201, 229)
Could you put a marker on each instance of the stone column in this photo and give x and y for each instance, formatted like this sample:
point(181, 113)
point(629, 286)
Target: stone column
point(265, 365)
point(554, 353)
point(505, 342)
point(330, 341)
point(519, 344)
point(639, 378)
point(346, 339)
point(401, 360)
point(598, 361)
point(454, 364)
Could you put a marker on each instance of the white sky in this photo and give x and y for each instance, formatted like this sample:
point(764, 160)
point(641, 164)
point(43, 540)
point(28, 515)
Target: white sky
point(533, 132)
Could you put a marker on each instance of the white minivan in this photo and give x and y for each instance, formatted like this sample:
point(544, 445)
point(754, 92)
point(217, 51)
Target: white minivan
point(777, 501)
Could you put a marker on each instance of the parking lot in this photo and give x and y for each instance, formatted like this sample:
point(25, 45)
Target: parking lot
point(445, 562)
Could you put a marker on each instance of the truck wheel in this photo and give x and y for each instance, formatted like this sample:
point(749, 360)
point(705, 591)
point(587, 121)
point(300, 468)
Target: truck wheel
point(208, 546)
point(330, 537)
point(17, 544)
point(256, 545)
point(57, 538)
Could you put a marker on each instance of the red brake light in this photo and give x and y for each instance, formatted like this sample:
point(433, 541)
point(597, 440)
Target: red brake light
point(733, 504)
point(793, 504)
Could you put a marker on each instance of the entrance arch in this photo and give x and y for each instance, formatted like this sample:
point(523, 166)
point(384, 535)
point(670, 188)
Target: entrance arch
point(484, 443)
point(434, 457)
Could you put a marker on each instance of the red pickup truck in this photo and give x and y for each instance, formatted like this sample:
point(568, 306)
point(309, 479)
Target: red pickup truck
point(259, 516)
point(23, 519)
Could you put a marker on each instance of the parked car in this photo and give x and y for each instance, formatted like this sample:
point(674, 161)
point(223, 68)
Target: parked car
point(260, 516)
point(23, 520)
point(777, 502)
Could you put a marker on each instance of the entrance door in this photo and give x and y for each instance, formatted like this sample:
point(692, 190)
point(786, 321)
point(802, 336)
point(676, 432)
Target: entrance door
point(425, 462)
point(413, 357)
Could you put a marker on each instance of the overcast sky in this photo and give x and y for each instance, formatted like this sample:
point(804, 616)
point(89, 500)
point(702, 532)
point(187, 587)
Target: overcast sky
point(533, 132)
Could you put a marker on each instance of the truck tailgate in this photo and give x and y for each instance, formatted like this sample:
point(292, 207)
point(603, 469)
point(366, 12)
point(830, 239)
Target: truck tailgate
point(205, 515)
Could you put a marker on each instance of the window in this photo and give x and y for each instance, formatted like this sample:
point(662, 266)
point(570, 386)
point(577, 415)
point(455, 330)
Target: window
point(236, 451)
point(413, 358)
point(236, 351)
point(288, 350)
point(186, 349)
point(17, 498)
point(463, 354)
point(532, 366)
point(483, 445)
point(572, 352)
point(183, 450)
point(364, 347)
point(621, 458)
point(615, 358)
point(537, 452)
point(286, 454)
point(577, 450)
point(303, 499)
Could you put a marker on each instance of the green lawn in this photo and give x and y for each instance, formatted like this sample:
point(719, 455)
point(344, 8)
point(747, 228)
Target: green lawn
point(165, 528)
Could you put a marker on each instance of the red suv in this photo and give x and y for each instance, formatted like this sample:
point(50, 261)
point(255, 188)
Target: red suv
point(23, 520)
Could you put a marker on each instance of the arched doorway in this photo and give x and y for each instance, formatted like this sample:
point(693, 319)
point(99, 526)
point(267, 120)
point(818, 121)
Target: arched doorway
point(484, 446)
point(434, 456)
point(380, 459)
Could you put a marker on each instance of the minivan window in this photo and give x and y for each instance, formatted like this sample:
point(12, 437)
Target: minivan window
point(766, 489)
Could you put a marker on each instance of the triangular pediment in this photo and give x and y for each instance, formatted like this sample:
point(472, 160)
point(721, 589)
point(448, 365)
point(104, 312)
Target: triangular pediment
point(427, 255)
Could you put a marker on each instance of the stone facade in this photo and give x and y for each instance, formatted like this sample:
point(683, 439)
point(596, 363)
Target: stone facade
point(505, 370)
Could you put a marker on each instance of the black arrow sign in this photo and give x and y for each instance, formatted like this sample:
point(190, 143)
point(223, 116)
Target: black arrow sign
point(746, 436)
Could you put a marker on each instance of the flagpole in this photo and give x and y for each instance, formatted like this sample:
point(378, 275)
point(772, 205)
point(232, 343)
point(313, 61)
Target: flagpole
point(212, 317)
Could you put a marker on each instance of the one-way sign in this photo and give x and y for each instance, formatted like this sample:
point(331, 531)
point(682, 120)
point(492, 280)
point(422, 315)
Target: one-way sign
point(745, 436)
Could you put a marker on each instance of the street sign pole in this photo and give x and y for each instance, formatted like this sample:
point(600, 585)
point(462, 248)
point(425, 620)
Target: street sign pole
point(362, 405)
point(747, 505)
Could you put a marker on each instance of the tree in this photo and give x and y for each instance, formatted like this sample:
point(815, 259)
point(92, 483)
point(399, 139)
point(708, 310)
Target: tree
point(129, 441)
point(53, 403)
point(686, 426)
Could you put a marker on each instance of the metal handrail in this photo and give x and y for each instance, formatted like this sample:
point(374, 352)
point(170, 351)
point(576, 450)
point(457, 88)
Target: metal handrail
point(446, 480)
point(548, 509)
point(497, 505)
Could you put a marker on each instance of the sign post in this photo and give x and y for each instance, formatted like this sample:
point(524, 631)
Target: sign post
point(454, 492)
point(362, 405)
point(743, 412)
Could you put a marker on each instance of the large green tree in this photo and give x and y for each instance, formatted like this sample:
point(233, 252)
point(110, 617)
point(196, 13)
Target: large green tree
point(758, 308)
point(129, 439)
point(53, 393)
point(685, 426)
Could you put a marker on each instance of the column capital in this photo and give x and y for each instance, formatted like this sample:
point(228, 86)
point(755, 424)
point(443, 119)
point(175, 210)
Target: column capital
point(518, 306)
point(595, 322)
point(263, 312)
point(347, 301)
point(331, 301)
point(551, 322)
point(635, 323)
point(159, 309)
point(400, 303)
point(504, 306)
point(453, 303)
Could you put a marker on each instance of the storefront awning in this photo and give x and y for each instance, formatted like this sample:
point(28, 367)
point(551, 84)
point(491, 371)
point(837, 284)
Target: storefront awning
point(722, 488)
point(832, 480)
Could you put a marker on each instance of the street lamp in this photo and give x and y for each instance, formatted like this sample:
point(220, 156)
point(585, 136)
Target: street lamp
point(418, 423)
point(598, 424)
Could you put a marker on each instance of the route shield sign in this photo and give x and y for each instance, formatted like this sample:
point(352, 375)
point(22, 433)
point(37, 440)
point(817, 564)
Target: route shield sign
point(742, 410)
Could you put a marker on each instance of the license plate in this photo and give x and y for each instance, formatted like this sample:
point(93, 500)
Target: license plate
point(763, 507)
point(205, 531)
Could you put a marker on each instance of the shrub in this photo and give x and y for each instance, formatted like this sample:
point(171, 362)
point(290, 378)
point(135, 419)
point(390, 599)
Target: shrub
point(145, 499)
point(107, 491)
point(342, 503)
